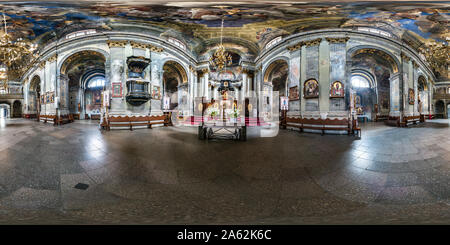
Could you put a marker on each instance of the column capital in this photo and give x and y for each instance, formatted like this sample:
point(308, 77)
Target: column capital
point(337, 39)
point(312, 42)
point(116, 44)
point(405, 57)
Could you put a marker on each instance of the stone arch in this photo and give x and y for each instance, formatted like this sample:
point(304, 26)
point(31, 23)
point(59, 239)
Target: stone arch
point(179, 63)
point(391, 58)
point(422, 82)
point(34, 94)
point(281, 65)
point(6, 106)
point(385, 67)
point(270, 61)
point(17, 108)
point(72, 69)
point(439, 107)
point(174, 83)
point(67, 59)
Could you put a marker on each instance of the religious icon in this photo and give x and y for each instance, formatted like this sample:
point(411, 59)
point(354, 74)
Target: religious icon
point(411, 96)
point(97, 97)
point(293, 93)
point(225, 95)
point(359, 111)
point(311, 89)
point(357, 100)
point(117, 90)
point(156, 92)
point(337, 90)
point(284, 103)
point(375, 108)
point(167, 104)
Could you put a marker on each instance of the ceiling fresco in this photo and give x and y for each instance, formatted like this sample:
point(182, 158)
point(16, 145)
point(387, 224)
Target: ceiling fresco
point(254, 22)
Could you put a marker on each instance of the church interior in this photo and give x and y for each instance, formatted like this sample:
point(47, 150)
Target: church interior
point(258, 112)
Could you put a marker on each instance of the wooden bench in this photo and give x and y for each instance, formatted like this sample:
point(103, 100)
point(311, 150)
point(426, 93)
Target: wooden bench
point(336, 124)
point(127, 121)
point(293, 122)
point(409, 119)
point(381, 117)
point(393, 121)
point(319, 124)
point(29, 116)
point(64, 119)
point(95, 117)
point(48, 118)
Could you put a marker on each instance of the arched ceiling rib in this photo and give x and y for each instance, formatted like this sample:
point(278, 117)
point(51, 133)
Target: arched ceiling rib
point(422, 25)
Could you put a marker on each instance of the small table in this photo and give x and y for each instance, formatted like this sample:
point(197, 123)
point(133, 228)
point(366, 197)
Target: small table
point(365, 117)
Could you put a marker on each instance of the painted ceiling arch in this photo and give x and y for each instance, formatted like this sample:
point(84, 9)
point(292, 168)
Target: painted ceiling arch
point(422, 25)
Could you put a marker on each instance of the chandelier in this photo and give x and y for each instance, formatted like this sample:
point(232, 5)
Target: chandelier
point(220, 58)
point(3, 77)
point(13, 53)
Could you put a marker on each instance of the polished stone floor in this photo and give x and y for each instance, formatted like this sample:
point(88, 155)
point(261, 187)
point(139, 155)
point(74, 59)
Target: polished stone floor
point(167, 176)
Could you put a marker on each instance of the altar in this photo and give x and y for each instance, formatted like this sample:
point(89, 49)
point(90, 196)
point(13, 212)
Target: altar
point(364, 117)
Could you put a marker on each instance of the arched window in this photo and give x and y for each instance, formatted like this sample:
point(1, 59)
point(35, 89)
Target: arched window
point(360, 82)
point(96, 82)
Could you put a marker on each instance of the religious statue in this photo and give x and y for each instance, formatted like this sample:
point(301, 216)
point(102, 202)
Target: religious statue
point(116, 70)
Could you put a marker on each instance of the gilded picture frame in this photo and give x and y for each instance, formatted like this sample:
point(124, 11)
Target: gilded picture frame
point(311, 89)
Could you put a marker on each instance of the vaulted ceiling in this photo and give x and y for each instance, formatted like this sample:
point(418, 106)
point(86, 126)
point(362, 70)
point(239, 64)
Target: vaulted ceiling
point(249, 24)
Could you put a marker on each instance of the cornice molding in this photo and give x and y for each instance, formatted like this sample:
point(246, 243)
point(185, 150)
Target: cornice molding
point(146, 46)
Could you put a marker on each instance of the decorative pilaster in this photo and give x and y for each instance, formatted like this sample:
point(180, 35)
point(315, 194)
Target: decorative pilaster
point(337, 73)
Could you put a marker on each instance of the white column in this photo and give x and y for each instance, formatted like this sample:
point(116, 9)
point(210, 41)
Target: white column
point(195, 85)
point(205, 85)
point(216, 92)
point(191, 92)
point(244, 86)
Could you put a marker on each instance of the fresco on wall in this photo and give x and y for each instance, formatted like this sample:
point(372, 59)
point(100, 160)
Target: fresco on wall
point(294, 70)
point(64, 89)
point(293, 93)
point(411, 96)
point(395, 95)
point(279, 77)
point(423, 25)
point(384, 99)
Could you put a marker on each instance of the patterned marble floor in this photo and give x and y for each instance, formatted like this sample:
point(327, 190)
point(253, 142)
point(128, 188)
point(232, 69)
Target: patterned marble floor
point(167, 176)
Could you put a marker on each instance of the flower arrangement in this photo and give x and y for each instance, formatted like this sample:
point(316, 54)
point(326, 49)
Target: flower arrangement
point(233, 113)
point(212, 111)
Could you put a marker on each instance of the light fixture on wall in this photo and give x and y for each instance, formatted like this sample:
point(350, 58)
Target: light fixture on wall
point(220, 59)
